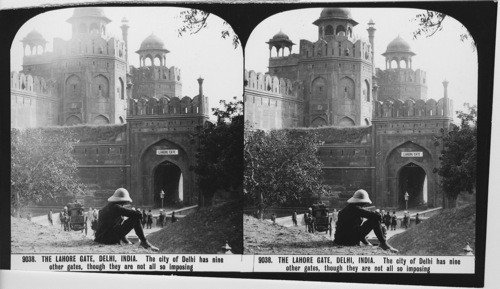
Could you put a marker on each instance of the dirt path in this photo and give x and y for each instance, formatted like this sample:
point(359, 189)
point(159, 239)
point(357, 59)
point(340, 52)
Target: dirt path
point(262, 237)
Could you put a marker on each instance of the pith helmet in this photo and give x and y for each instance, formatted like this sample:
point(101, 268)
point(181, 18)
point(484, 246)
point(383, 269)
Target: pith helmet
point(120, 195)
point(360, 196)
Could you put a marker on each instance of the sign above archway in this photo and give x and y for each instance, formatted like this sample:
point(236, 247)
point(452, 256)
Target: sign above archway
point(412, 154)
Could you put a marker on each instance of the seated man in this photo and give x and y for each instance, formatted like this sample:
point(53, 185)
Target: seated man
point(112, 228)
point(350, 226)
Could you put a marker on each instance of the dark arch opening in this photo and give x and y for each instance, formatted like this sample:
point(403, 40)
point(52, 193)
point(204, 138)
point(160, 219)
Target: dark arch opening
point(167, 178)
point(329, 30)
point(412, 180)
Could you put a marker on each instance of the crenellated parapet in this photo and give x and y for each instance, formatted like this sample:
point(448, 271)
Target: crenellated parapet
point(338, 46)
point(410, 108)
point(166, 106)
point(272, 85)
point(164, 73)
point(90, 44)
point(30, 84)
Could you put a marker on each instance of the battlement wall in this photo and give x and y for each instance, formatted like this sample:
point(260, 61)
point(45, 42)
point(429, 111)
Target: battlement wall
point(272, 85)
point(168, 106)
point(339, 46)
point(93, 44)
point(413, 108)
point(155, 73)
point(30, 84)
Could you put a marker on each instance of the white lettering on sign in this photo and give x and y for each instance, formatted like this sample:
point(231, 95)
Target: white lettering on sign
point(412, 154)
point(167, 152)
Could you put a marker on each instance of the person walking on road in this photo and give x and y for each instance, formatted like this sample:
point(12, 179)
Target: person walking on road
point(294, 218)
point(144, 218)
point(417, 219)
point(49, 216)
point(112, 228)
point(350, 226)
point(149, 222)
point(394, 221)
point(387, 220)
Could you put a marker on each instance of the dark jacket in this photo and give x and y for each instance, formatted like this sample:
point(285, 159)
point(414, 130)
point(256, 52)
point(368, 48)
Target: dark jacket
point(111, 217)
point(349, 221)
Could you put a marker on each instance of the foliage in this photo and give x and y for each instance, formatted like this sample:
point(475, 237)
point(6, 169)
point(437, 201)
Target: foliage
point(282, 167)
point(430, 22)
point(42, 166)
point(89, 133)
point(195, 20)
point(219, 157)
point(458, 158)
point(337, 134)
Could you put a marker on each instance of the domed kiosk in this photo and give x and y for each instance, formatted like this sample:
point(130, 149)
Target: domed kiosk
point(152, 48)
point(335, 22)
point(280, 41)
point(398, 50)
point(34, 40)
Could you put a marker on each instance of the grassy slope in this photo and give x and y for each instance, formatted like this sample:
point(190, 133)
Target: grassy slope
point(203, 232)
point(444, 234)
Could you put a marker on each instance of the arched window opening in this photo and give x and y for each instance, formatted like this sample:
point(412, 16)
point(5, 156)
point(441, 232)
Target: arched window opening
point(328, 30)
point(340, 30)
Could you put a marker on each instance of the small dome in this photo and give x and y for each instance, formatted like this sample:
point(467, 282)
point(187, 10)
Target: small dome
point(280, 36)
point(343, 13)
point(34, 36)
point(89, 11)
point(152, 42)
point(398, 45)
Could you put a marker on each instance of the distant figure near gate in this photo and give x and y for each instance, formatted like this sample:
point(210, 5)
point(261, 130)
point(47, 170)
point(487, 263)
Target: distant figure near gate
point(112, 228)
point(350, 226)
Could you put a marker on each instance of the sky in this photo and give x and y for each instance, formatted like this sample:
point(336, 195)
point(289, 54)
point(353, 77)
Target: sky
point(203, 54)
point(442, 56)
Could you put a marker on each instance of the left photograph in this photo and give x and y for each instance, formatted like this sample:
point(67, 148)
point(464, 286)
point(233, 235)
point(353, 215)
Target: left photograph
point(126, 133)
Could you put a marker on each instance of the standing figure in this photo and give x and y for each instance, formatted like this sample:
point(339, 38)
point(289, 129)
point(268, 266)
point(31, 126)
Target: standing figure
point(417, 219)
point(174, 218)
point(113, 229)
point(149, 222)
point(350, 227)
point(144, 218)
point(49, 216)
point(406, 220)
point(387, 220)
point(394, 221)
point(294, 218)
point(161, 218)
point(273, 218)
point(335, 217)
point(29, 217)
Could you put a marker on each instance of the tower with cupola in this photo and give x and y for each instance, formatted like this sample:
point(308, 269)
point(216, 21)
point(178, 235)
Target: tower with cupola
point(399, 80)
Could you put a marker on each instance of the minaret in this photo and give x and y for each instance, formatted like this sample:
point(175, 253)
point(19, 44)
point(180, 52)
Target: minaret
point(125, 28)
point(371, 37)
point(202, 97)
point(445, 103)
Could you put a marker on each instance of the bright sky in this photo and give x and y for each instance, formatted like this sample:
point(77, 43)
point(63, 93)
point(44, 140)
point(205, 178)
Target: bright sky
point(203, 54)
point(441, 56)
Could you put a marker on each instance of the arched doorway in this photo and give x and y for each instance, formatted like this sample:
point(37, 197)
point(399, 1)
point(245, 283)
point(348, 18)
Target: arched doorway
point(412, 179)
point(167, 177)
point(409, 169)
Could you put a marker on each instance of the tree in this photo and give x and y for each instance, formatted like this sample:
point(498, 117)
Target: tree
point(42, 166)
point(459, 156)
point(219, 157)
point(195, 20)
point(282, 168)
point(430, 22)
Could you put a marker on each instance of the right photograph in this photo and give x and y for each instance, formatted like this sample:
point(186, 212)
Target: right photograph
point(360, 134)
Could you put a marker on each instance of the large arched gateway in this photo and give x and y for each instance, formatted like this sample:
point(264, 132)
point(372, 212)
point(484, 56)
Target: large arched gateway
point(409, 171)
point(164, 166)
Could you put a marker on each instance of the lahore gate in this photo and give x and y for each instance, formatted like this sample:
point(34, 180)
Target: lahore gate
point(380, 131)
point(136, 130)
